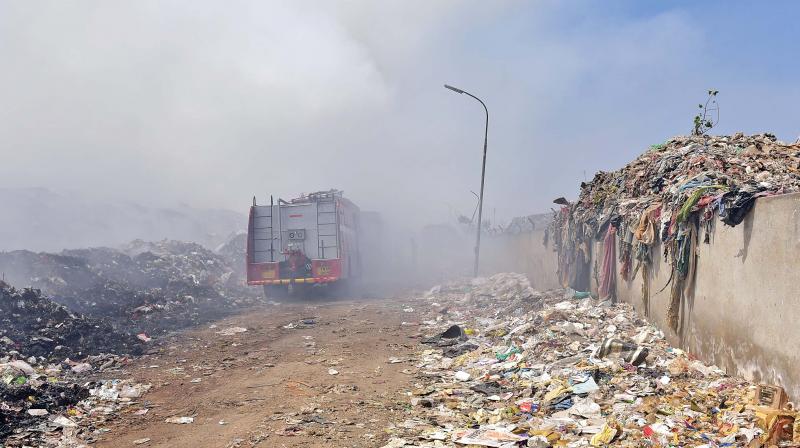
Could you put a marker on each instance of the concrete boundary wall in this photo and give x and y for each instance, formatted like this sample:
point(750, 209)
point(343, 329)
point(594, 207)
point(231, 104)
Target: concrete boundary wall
point(743, 313)
point(523, 252)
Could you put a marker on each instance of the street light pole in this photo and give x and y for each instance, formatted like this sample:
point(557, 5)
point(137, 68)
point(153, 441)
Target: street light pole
point(483, 176)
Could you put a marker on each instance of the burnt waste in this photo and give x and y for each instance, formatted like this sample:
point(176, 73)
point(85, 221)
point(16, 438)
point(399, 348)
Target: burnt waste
point(148, 288)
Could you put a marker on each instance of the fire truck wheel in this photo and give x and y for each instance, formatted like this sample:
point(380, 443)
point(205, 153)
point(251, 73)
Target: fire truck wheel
point(300, 292)
point(339, 289)
point(276, 292)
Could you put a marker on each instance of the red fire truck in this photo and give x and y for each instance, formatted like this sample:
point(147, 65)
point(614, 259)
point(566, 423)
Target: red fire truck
point(310, 240)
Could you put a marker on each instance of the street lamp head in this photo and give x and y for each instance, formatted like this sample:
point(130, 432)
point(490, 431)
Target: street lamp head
point(454, 89)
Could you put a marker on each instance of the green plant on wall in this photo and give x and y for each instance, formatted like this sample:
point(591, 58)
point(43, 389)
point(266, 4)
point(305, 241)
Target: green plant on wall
point(708, 116)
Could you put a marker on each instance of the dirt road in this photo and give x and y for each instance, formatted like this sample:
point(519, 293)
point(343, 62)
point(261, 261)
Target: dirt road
point(327, 382)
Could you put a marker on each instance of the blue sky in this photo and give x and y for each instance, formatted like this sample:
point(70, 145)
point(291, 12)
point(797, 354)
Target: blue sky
point(615, 77)
point(207, 105)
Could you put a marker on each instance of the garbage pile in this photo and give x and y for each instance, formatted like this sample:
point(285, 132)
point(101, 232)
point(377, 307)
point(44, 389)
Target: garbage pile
point(182, 267)
point(49, 404)
point(144, 288)
point(234, 252)
point(174, 268)
point(35, 326)
point(94, 307)
point(692, 168)
point(670, 195)
point(506, 366)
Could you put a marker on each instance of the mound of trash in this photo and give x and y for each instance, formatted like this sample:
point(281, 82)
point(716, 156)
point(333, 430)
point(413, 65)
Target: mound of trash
point(559, 368)
point(174, 267)
point(234, 251)
point(143, 287)
point(499, 293)
point(98, 304)
point(181, 267)
point(678, 174)
point(54, 273)
point(34, 325)
point(671, 196)
point(44, 347)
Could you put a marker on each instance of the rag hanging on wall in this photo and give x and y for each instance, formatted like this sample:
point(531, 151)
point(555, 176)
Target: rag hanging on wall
point(608, 274)
point(683, 269)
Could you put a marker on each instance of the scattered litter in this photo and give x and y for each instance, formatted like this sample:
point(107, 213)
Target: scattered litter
point(144, 337)
point(487, 437)
point(22, 366)
point(543, 372)
point(81, 367)
point(453, 332)
point(179, 420)
point(64, 422)
point(462, 376)
point(303, 323)
point(585, 387)
point(133, 390)
point(231, 331)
